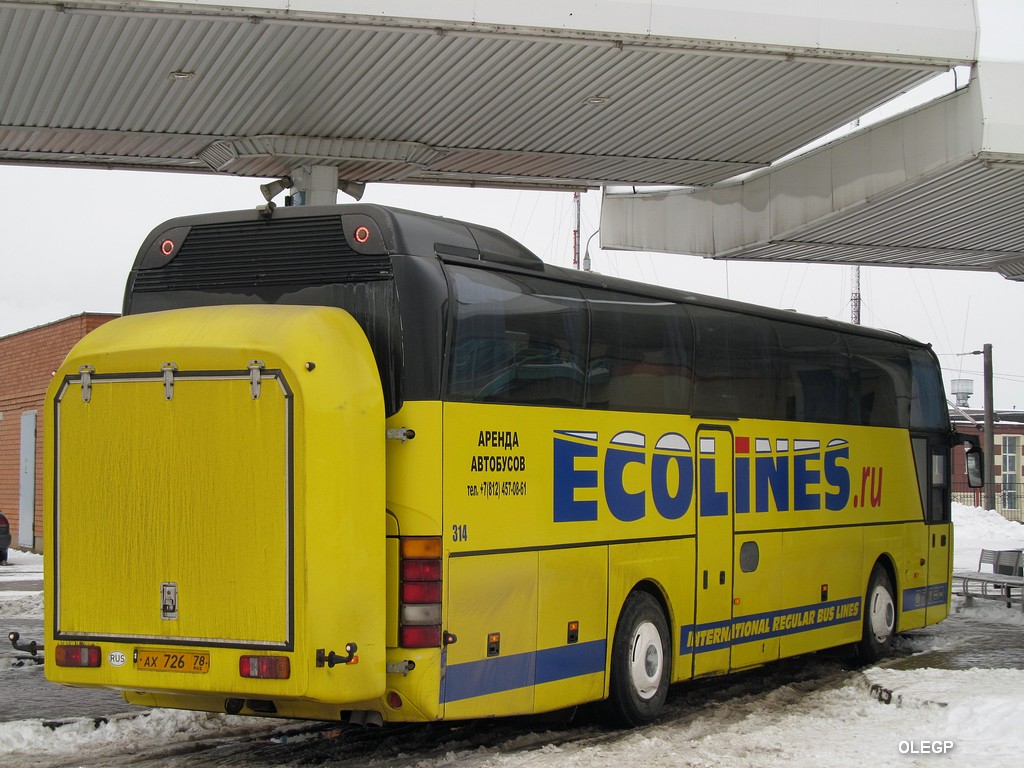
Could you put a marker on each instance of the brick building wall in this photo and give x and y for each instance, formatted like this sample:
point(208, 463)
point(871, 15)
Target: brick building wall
point(27, 362)
point(1005, 424)
point(1007, 463)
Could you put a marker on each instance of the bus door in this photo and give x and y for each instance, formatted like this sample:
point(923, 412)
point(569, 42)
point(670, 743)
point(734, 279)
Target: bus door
point(711, 638)
point(933, 451)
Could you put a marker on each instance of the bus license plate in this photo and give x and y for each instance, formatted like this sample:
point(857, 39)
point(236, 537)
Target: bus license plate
point(149, 660)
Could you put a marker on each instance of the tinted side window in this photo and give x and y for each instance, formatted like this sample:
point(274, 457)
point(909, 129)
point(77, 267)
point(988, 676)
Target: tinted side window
point(928, 399)
point(640, 354)
point(816, 386)
point(517, 339)
point(737, 366)
point(880, 388)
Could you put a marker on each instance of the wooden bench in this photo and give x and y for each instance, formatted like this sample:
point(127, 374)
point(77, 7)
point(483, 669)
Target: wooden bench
point(1004, 579)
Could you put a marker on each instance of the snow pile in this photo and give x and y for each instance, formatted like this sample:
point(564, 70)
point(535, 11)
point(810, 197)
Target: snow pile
point(21, 605)
point(975, 529)
point(150, 729)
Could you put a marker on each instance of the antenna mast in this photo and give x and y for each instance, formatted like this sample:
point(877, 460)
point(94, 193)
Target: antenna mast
point(855, 298)
point(576, 231)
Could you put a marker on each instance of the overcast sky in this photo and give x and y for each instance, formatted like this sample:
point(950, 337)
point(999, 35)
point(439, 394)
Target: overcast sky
point(68, 239)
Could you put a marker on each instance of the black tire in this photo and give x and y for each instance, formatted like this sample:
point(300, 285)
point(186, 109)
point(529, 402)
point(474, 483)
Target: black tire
point(879, 625)
point(641, 662)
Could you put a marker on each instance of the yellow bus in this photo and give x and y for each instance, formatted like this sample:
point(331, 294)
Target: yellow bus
point(360, 463)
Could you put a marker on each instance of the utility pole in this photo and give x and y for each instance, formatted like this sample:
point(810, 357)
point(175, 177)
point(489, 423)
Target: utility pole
point(988, 427)
point(990, 437)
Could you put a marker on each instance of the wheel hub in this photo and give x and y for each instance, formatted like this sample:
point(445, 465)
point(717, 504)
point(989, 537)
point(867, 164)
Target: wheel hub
point(882, 614)
point(646, 660)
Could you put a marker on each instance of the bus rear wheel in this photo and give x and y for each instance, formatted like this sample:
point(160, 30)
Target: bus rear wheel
point(641, 664)
point(879, 617)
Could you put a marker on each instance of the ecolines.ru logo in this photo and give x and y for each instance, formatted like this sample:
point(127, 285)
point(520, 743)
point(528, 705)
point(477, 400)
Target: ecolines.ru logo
point(778, 474)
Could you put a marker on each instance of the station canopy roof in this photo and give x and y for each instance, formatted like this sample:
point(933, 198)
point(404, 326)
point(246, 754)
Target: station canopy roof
point(464, 92)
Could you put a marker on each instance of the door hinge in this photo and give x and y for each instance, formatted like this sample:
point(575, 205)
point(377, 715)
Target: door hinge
point(86, 372)
point(169, 369)
point(255, 371)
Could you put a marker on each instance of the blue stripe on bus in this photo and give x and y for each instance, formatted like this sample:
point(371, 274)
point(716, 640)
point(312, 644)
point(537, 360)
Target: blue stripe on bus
point(713, 636)
point(521, 670)
point(506, 673)
point(925, 597)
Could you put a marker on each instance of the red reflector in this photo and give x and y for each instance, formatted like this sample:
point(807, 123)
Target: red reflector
point(421, 570)
point(421, 592)
point(265, 667)
point(167, 247)
point(420, 637)
point(77, 656)
point(362, 234)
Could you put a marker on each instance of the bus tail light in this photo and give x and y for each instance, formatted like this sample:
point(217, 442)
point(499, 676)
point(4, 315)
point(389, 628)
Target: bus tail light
point(420, 592)
point(265, 667)
point(410, 636)
point(77, 656)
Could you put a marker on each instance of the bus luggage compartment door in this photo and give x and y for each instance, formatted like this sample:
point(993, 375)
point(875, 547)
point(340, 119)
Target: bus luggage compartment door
point(166, 519)
point(218, 479)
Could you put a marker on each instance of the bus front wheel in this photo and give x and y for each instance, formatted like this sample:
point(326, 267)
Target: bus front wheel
point(641, 664)
point(879, 617)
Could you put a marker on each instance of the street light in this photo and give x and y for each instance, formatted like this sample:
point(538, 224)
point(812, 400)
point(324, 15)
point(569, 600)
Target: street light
point(586, 252)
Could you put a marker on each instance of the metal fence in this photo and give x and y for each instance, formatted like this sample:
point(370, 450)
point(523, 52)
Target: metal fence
point(1009, 499)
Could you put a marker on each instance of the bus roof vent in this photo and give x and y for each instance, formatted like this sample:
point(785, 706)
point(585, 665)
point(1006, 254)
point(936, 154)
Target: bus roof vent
point(498, 247)
point(486, 244)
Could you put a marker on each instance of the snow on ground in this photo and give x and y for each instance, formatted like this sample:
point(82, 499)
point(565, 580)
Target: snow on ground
point(841, 727)
point(21, 566)
point(962, 717)
point(28, 562)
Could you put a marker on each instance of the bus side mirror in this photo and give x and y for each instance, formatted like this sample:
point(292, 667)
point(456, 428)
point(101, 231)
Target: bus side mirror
point(975, 462)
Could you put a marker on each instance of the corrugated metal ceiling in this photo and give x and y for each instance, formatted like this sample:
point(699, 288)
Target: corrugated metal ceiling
point(941, 185)
point(162, 86)
point(966, 217)
point(258, 96)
